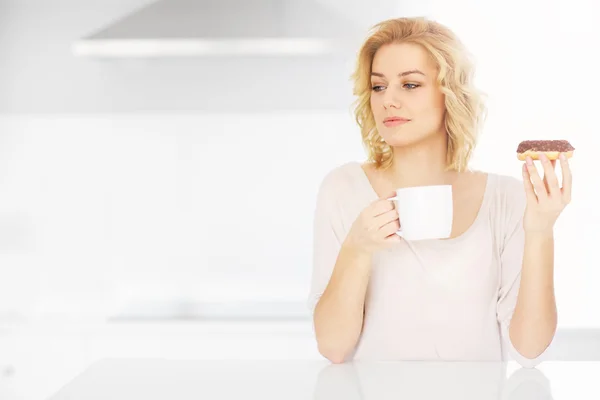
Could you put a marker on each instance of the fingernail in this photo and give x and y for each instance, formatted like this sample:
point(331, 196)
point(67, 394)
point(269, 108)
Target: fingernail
point(529, 161)
point(562, 156)
point(543, 157)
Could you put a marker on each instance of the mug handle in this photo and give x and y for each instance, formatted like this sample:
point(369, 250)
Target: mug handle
point(399, 231)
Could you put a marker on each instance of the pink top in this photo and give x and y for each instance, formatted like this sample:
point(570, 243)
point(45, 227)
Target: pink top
point(433, 299)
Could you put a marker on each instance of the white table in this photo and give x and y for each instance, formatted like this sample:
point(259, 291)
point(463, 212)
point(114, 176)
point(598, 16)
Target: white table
point(154, 379)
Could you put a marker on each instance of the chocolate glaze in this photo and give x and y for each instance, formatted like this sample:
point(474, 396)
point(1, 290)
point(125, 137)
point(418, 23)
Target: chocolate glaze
point(545, 145)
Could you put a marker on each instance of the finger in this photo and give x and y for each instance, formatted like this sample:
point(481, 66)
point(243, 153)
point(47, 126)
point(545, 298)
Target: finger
point(390, 194)
point(566, 178)
point(389, 228)
point(529, 192)
point(392, 239)
point(380, 207)
point(550, 178)
point(536, 180)
point(553, 162)
point(385, 218)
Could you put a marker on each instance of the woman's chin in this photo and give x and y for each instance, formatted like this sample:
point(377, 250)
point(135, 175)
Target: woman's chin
point(406, 139)
point(402, 141)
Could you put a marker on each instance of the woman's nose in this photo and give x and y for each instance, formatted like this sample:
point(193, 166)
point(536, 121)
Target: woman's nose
point(390, 104)
point(391, 99)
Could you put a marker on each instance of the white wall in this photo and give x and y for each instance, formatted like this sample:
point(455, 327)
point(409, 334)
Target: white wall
point(161, 153)
point(537, 62)
point(102, 196)
point(201, 206)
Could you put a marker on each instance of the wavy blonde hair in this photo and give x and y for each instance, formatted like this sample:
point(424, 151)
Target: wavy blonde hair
point(465, 109)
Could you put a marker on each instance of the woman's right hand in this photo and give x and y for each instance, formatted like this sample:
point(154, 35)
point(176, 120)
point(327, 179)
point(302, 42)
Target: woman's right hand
point(375, 227)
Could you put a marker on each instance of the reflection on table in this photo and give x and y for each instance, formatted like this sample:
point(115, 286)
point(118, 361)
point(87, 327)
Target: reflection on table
point(424, 381)
point(153, 379)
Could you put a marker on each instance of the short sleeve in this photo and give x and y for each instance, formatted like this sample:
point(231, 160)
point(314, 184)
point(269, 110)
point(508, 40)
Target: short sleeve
point(328, 236)
point(511, 261)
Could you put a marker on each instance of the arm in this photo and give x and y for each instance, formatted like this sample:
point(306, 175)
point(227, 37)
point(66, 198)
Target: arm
point(516, 272)
point(338, 316)
point(520, 283)
point(535, 318)
point(527, 308)
point(339, 278)
point(342, 260)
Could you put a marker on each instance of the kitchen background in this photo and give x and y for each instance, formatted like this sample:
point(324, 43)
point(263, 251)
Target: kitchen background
point(160, 204)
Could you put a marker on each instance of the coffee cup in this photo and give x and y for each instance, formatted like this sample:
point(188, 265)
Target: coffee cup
point(426, 212)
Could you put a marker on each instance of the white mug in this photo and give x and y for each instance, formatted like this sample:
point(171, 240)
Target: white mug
point(426, 212)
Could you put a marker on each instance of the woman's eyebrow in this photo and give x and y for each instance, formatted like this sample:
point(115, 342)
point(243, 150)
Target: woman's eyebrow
point(401, 74)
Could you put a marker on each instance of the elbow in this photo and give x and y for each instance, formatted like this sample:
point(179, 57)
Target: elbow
point(528, 351)
point(529, 364)
point(334, 352)
point(526, 360)
point(333, 343)
point(336, 348)
point(529, 359)
point(336, 357)
point(531, 355)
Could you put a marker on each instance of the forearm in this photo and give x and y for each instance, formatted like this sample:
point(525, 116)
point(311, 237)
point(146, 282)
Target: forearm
point(338, 316)
point(535, 317)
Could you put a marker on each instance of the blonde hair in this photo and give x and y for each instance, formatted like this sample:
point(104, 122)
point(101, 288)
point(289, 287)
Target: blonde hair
point(465, 109)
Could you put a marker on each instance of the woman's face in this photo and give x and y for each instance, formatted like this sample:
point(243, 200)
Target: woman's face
point(404, 86)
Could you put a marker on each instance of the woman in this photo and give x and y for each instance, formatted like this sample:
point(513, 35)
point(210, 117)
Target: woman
point(485, 292)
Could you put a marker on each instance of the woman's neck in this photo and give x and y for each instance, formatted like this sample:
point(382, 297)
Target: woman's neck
point(421, 164)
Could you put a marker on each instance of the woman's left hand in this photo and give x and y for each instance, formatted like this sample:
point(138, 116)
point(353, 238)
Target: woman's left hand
point(545, 198)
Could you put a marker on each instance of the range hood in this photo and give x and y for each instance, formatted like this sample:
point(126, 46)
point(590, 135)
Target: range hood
point(190, 28)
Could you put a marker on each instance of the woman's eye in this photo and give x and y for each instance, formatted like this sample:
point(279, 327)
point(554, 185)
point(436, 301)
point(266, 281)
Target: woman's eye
point(410, 86)
point(377, 88)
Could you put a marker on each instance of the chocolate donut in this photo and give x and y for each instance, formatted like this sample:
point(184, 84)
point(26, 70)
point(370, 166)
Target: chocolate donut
point(552, 149)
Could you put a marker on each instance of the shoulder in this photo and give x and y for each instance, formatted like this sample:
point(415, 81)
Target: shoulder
point(509, 201)
point(509, 190)
point(502, 190)
point(334, 189)
point(339, 178)
point(508, 183)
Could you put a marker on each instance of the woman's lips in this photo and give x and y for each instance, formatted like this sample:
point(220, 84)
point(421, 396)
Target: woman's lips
point(395, 121)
